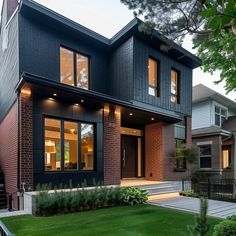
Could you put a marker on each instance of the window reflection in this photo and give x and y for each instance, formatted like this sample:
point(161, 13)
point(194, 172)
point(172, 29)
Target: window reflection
point(174, 86)
point(82, 71)
point(67, 66)
point(52, 144)
point(87, 147)
point(70, 145)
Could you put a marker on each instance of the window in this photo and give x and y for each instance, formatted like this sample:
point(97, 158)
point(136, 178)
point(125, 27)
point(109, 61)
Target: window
point(52, 160)
point(180, 164)
point(205, 156)
point(75, 149)
point(226, 157)
point(153, 77)
point(220, 115)
point(74, 68)
point(175, 86)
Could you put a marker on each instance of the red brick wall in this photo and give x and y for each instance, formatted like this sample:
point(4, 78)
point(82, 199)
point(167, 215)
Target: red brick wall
point(9, 150)
point(153, 152)
point(26, 141)
point(112, 162)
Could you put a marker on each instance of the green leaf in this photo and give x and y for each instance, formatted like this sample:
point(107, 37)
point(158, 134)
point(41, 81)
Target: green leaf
point(215, 23)
point(211, 11)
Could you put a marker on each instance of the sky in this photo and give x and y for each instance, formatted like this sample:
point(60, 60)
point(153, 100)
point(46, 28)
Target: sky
point(107, 17)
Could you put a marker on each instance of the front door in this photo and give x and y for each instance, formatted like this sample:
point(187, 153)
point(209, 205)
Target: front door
point(128, 156)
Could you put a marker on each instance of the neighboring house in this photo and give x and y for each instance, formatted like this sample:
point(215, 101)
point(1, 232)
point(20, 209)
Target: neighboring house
point(214, 130)
point(77, 106)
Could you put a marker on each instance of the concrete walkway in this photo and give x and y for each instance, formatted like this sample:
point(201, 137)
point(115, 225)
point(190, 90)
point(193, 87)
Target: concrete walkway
point(6, 213)
point(218, 209)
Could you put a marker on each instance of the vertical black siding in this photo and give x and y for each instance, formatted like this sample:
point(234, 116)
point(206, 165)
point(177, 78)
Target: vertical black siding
point(40, 52)
point(9, 63)
point(142, 52)
point(121, 71)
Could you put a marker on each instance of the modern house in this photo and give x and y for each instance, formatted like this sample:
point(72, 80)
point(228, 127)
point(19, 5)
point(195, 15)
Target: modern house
point(214, 131)
point(77, 106)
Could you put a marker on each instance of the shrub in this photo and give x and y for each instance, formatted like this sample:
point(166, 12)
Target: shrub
point(132, 196)
point(233, 217)
point(188, 194)
point(198, 176)
point(225, 228)
point(86, 199)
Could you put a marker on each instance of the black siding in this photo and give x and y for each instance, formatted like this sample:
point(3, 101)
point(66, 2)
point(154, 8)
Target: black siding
point(142, 52)
point(43, 107)
point(40, 52)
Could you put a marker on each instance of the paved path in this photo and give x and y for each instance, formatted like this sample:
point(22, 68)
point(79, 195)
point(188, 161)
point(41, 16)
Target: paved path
point(6, 213)
point(215, 208)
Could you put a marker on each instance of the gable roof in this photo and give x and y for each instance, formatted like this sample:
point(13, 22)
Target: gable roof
point(37, 11)
point(202, 93)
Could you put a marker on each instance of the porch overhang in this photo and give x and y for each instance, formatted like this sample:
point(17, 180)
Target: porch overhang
point(44, 87)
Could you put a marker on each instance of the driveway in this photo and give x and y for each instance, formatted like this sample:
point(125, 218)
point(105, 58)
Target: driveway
point(218, 209)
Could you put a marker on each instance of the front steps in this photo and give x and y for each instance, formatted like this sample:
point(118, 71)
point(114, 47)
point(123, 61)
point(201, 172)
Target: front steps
point(162, 188)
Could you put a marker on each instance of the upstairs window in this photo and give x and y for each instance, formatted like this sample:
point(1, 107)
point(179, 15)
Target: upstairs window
point(175, 86)
point(153, 77)
point(220, 115)
point(205, 156)
point(74, 68)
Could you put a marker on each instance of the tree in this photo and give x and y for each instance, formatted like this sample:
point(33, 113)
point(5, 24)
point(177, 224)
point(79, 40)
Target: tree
point(211, 22)
point(190, 154)
point(201, 227)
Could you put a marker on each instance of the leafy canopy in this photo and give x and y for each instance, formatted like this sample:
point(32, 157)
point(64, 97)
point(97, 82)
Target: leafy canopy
point(211, 22)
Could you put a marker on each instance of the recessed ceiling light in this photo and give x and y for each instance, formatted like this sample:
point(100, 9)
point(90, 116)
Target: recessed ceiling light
point(82, 100)
point(152, 118)
point(54, 94)
point(76, 104)
point(130, 113)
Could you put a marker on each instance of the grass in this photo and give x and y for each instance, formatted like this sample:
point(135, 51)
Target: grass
point(136, 220)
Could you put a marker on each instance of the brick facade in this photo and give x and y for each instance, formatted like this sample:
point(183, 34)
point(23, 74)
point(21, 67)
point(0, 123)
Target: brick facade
point(26, 141)
point(159, 151)
point(9, 150)
point(112, 149)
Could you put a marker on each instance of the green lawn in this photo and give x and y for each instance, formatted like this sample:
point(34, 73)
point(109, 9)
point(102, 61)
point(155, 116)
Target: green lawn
point(130, 220)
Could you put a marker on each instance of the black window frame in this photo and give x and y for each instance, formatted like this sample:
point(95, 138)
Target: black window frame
point(75, 52)
point(221, 116)
point(79, 122)
point(205, 156)
point(178, 85)
point(158, 77)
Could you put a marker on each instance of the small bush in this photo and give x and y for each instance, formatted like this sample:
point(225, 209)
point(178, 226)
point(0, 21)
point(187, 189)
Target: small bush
point(132, 196)
point(198, 176)
point(225, 228)
point(188, 194)
point(233, 217)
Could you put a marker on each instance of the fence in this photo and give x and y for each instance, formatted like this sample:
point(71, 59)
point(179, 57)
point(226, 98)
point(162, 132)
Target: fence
point(218, 189)
point(4, 230)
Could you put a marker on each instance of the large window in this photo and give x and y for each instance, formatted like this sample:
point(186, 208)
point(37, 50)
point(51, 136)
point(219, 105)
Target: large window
point(205, 156)
point(153, 77)
point(175, 86)
point(69, 145)
point(74, 68)
point(226, 157)
point(220, 115)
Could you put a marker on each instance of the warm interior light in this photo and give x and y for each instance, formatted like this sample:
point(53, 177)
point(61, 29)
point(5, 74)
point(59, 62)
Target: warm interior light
point(117, 112)
point(76, 104)
point(51, 99)
point(106, 109)
point(26, 91)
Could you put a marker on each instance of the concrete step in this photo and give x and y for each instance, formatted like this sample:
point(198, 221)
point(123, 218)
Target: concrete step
point(162, 188)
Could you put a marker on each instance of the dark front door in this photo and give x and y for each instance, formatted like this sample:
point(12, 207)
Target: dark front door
point(128, 156)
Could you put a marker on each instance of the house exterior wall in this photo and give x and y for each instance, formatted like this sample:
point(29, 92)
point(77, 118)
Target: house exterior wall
point(9, 150)
point(9, 61)
point(201, 115)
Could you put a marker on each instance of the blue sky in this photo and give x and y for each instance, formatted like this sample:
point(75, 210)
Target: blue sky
point(107, 17)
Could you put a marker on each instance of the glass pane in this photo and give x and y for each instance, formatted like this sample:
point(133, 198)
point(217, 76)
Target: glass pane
point(152, 72)
point(174, 80)
point(70, 145)
point(223, 112)
point(217, 119)
point(130, 131)
point(82, 71)
point(205, 162)
point(226, 158)
point(52, 136)
point(217, 110)
point(222, 120)
point(67, 66)
point(173, 98)
point(152, 91)
point(205, 150)
point(87, 147)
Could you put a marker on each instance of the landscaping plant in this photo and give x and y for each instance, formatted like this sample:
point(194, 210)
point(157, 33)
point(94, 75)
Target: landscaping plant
point(225, 228)
point(201, 227)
